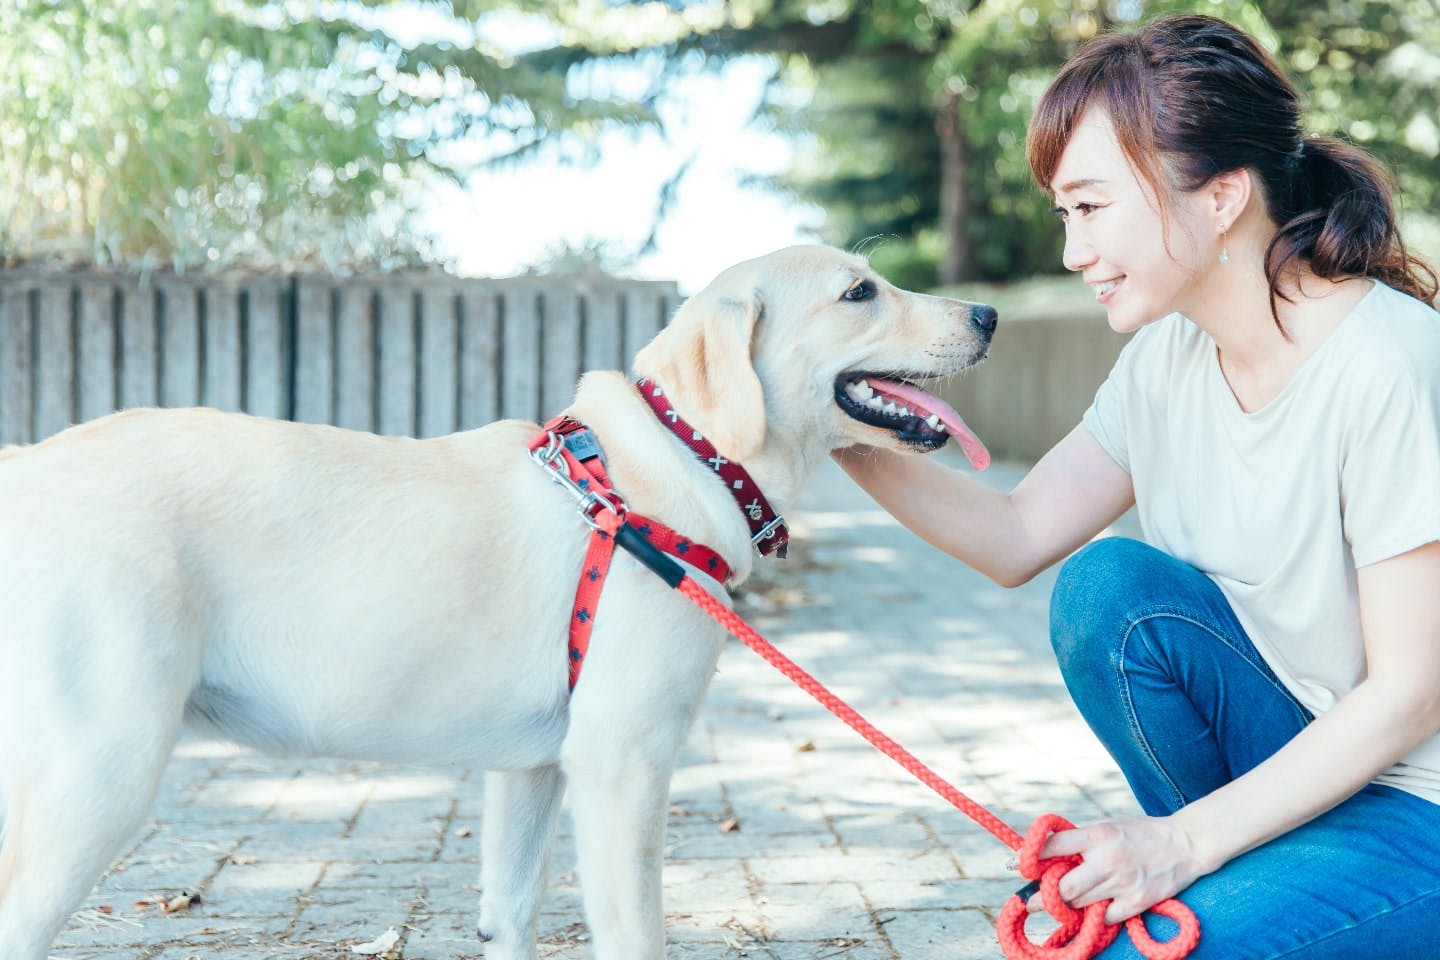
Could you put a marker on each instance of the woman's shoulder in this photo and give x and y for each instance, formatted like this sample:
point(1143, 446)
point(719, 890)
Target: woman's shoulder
point(1390, 346)
point(1395, 332)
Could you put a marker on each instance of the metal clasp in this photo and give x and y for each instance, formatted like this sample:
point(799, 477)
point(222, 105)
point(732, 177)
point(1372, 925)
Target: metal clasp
point(589, 502)
point(768, 531)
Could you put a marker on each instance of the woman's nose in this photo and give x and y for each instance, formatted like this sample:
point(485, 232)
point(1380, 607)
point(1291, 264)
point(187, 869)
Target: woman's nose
point(1078, 254)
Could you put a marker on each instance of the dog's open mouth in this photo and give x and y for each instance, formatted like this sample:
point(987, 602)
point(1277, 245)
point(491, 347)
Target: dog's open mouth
point(891, 402)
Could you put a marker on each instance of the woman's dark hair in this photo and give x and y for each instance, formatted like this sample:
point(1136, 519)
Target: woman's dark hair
point(1191, 97)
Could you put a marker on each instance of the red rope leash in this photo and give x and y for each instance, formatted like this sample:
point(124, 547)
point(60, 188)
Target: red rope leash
point(1082, 933)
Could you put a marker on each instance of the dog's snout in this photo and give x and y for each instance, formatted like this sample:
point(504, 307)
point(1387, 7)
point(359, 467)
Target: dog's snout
point(984, 317)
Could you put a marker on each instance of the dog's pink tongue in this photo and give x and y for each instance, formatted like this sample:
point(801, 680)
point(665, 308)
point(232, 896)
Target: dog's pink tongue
point(917, 399)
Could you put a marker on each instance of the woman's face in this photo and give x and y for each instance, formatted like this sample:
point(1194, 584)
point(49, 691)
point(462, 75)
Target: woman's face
point(1115, 236)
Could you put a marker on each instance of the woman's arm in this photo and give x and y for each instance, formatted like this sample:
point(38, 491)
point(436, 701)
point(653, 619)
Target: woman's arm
point(1138, 862)
point(1073, 493)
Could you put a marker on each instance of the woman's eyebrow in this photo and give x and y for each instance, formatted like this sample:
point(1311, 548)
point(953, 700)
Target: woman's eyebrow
point(1079, 184)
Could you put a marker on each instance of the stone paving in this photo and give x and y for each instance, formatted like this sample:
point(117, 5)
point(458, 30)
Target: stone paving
point(790, 838)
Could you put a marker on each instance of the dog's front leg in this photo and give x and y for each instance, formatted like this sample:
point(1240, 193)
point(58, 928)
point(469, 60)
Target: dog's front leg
point(629, 717)
point(619, 818)
point(519, 819)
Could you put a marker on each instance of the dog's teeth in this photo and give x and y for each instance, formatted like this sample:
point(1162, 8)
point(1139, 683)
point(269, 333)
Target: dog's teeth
point(904, 411)
point(939, 428)
point(890, 407)
point(933, 421)
point(859, 390)
point(875, 402)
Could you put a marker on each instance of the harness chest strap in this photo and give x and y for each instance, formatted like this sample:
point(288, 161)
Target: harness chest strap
point(568, 448)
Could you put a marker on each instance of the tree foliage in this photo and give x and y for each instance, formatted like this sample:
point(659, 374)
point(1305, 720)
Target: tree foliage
point(188, 133)
point(192, 133)
point(916, 109)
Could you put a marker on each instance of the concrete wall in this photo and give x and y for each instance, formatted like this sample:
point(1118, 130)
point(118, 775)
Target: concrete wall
point(1040, 377)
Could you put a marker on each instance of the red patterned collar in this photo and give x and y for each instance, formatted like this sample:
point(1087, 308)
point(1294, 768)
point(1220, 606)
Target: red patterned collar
point(768, 533)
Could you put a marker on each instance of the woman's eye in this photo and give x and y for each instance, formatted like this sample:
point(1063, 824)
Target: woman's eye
point(1084, 209)
point(863, 290)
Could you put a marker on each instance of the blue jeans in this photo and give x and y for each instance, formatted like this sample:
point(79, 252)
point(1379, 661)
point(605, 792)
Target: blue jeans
point(1166, 677)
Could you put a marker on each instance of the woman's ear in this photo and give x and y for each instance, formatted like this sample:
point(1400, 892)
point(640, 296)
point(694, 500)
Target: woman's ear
point(1230, 194)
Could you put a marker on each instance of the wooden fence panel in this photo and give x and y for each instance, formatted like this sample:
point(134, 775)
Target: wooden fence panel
point(16, 403)
point(355, 359)
point(440, 361)
point(604, 339)
point(266, 347)
point(561, 344)
point(314, 361)
point(480, 337)
point(54, 378)
point(413, 355)
point(99, 367)
point(520, 357)
point(140, 351)
point(180, 357)
point(223, 377)
point(647, 309)
point(396, 412)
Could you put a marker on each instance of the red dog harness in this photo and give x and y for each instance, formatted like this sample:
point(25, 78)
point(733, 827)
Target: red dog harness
point(570, 452)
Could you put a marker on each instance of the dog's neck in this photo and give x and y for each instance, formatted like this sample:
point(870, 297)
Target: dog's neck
point(645, 459)
point(768, 531)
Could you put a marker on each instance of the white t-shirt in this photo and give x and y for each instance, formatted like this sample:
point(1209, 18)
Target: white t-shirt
point(1280, 506)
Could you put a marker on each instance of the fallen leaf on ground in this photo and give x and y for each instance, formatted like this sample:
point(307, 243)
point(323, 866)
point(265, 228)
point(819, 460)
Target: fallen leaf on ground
point(183, 900)
point(380, 946)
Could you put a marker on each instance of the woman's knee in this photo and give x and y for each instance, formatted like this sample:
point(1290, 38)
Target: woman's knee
point(1096, 592)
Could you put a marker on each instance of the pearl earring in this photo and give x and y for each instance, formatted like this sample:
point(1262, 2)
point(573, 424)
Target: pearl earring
point(1225, 245)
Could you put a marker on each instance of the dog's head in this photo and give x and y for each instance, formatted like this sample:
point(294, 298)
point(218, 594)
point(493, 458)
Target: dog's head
point(811, 341)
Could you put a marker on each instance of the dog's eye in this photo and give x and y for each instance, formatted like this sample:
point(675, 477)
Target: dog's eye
point(863, 290)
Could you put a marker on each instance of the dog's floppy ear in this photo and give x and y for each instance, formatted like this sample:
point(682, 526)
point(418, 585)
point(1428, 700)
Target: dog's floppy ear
point(702, 359)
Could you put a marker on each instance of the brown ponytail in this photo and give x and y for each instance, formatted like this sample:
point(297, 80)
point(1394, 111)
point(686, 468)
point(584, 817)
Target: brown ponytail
point(1337, 215)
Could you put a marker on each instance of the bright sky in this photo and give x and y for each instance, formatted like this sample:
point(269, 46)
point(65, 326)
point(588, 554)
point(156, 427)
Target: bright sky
point(513, 218)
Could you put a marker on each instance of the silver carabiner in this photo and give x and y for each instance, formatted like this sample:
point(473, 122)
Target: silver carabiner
point(587, 501)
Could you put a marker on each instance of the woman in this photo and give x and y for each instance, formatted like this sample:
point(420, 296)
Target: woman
point(1266, 667)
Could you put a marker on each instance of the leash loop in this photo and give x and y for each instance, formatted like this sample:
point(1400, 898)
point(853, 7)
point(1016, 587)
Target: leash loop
point(1082, 933)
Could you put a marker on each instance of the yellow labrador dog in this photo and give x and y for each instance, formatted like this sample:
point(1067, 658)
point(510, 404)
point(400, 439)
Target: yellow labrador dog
point(308, 590)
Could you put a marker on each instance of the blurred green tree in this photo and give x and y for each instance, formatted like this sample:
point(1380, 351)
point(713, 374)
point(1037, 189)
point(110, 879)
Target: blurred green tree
point(194, 133)
point(913, 112)
point(261, 132)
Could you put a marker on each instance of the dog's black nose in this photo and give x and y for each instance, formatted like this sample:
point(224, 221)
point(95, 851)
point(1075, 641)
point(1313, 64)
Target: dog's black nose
point(984, 316)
